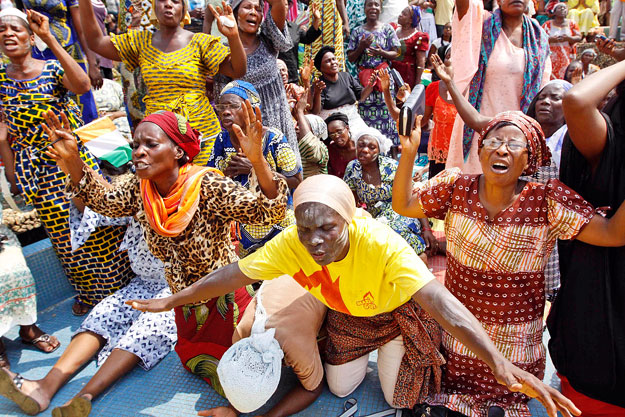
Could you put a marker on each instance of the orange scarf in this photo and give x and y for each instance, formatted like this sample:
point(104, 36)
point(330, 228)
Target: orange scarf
point(171, 214)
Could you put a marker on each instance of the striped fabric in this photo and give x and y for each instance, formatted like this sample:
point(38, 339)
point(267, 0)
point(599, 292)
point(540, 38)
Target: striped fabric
point(314, 154)
point(176, 81)
point(331, 32)
point(495, 267)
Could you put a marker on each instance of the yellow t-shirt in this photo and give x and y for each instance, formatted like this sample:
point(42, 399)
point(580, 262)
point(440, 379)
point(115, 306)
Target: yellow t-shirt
point(380, 272)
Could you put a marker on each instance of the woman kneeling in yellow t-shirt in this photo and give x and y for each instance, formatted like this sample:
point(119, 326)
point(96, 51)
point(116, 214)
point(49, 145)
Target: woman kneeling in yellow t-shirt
point(376, 287)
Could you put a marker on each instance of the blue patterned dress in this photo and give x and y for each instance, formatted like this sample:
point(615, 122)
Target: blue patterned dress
point(373, 110)
point(378, 200)
point(281, 159)
point(63, 30)
point(97, 269)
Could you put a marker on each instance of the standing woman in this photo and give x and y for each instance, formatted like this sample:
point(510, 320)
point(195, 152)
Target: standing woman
point(333, 13)
point(67, 28)
point(501, 60)
point(262, 39)
point(372, 46)
point(414, 44)
point(29, 88)
point(563, 35)
point(174, 62)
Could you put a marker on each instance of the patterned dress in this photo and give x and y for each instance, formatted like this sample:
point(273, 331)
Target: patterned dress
point(176, 81)
point(18, 302)
point(561, 52)
point(373, 110)
point(97, 269)
point(406, 62)
point(281, 159)
point(495, 268)
point(262, 72)
point(356, 15)
point(146, 335)
point(204, 329)
point(63, 30)
point(378, 200)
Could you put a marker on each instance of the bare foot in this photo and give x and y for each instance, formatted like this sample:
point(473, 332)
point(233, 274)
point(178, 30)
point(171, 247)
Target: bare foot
point(28, 395)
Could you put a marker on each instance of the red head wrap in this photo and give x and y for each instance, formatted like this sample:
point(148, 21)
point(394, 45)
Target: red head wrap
point(539, 154)
point(178, 130)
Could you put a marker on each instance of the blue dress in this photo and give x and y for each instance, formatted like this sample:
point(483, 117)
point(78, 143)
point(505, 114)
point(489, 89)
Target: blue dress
point(281, 159)
point(63, 30)
point(378, 200)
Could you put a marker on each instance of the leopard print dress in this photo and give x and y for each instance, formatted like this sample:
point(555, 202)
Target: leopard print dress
point(204, 329)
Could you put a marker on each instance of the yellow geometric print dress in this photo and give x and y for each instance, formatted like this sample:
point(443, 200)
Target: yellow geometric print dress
point(97, 269)
point(176, 81)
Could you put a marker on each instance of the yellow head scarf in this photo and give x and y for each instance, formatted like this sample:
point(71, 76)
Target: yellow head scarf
point(186, 18)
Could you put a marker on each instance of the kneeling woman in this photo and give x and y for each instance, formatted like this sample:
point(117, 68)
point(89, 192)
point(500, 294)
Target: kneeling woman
point(500, 231)
point(227, 157)
point(370, 177)
point(186, 213)
point(377, 290)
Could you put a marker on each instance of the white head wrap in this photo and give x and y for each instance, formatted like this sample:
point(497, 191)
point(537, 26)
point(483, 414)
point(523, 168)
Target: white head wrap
point(249, 371)
point(12, 11)
point(383, 142)
point(590, 51)
point(317, 126)
point(329, 190)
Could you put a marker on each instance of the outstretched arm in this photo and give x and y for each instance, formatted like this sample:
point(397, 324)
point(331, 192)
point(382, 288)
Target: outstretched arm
point(278, 12)
point(587, 127)
point(74, 79)
point(235, 65)
point(605, 232)
point(467, 112)
point(215, 284)
point(404, 201)
point(461, 324)
point(93, 36)
point(93, 69)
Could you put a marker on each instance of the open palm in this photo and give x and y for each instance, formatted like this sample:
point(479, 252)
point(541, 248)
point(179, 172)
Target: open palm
point(250, 135)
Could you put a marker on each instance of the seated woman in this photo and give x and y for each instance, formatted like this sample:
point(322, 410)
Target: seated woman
point(584, 13)
point(587, 57)
point(227, 156)
point(414, 45)
point(500, 231)
point(370, 177)
point(337, 91)
point(372, 46)
point(379, 301)
point(341, 146)
point(113, 331)
point(18, 299)
point(186, 212)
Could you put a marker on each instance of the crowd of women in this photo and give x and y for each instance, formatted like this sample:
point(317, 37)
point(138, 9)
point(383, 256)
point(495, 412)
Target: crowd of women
point(248, 168)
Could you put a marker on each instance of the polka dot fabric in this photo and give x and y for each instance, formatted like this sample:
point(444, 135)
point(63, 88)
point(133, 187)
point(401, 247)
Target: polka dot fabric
point(495, 267)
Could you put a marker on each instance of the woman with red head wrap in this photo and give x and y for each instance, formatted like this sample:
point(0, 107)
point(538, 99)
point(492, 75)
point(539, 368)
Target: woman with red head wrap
point(185, 212)
point(500, 231)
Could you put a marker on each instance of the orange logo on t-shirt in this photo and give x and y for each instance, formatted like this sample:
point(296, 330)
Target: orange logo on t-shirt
point(329, 290)
point(367, 302)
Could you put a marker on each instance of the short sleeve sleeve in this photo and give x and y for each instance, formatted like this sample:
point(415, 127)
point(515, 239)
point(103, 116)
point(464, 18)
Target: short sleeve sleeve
point(424, 43)
point(268, 261)
point(435, 195)
point(567, 211)
point(129, 47)
point(431, 93)
point(286, 160)
point(354, 38)
point(217, 158)
point(350, 175)
point(212, 52)
point(355, 86)
point(392, 41)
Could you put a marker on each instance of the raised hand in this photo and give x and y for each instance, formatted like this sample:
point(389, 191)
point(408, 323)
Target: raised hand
point(315, 15)
point(155, 305)
point(250, 136)
point(410, 144)
point(577, 75)
point(39, 24)
point(319, 85)
point(372, 79)
point(605, 46)
point(306, 72)
point(302, 103)
point(385, 80)
point(224, 17)
point(62, 146)
point(440, 68)
point(518, 380)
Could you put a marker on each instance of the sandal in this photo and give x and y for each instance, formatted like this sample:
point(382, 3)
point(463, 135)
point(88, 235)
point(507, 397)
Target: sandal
point(77, 407)
point(10, 388)
point(44, 338)
point(80, 309)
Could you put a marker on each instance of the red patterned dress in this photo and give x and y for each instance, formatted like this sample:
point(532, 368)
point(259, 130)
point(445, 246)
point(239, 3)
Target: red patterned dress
point(495, 267)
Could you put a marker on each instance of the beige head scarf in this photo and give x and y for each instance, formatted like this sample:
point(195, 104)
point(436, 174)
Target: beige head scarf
point(329, 190)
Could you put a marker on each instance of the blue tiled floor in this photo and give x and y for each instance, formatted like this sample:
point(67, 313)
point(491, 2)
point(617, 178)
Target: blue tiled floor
point(167, 390)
